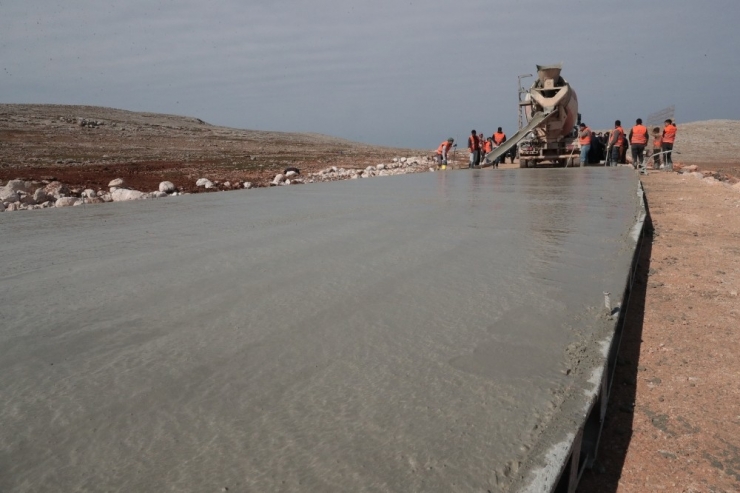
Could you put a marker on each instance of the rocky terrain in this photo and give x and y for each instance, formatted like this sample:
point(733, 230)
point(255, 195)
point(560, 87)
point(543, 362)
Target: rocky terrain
point(85, 154)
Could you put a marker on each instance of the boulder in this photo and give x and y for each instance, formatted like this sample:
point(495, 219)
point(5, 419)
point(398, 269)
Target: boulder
point(65, 201)
point(40, 196)
point(12, 207)
point(106, 197)
point(278, 179)
point(17, 186)
point(158, 195)
point(380, 167)
point(9, 196)
point(167, 187)
point(202, 182)
point(118, 183)
point(123, 195)
point(56, 189)
point(290, 174)
point(88, 193)
point(247, 185)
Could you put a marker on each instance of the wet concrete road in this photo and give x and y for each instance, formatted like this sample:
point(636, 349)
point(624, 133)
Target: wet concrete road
point(410, 333)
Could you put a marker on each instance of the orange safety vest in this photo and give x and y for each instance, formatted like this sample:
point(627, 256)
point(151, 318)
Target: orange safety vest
point(487, 146)
point(473, 143)
point(639, 134)
point(669, 134)
point(585, 140)
point(657, 141)
point(620, 137)
point(499, 138)
point(442, 146)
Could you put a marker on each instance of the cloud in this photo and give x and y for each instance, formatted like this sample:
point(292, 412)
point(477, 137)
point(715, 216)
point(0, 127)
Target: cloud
point(385, 72)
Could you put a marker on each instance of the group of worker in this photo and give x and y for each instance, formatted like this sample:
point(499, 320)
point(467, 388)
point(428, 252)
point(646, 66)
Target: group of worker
point(616, 143)
point(478, 147)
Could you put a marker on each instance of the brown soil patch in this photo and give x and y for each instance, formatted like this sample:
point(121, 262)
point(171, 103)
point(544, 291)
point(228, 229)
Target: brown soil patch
point(674, 416)
point(87, 147)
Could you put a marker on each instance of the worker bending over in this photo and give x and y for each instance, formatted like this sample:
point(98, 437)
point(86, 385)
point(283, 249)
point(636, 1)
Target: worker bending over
point(443, 151)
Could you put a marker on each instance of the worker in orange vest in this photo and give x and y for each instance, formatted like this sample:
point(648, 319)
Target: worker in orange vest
point(584, 139)
point(474, 148)
point(638, 140)
point(669, 137)
point(657, 141)
point(616, 141)
point(487, 146)
point(442, 152)
point(499, 137)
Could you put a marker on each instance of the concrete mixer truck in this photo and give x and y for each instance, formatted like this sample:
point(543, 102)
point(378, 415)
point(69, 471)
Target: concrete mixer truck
point(550, 134)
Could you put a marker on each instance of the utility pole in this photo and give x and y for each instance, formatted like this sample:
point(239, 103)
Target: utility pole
point(522, 91)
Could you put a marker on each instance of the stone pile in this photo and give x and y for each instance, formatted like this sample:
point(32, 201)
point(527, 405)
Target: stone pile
point(399, 166)
point(18, 195)
point(29, 195)
point(708, 177)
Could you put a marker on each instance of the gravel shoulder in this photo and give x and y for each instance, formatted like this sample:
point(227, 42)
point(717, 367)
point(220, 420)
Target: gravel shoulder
point(674, 419)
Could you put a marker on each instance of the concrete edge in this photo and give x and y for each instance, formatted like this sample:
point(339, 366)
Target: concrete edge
point(566, 461)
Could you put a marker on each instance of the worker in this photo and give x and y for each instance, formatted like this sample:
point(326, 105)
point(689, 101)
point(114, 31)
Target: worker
point(499, 137)
point(616, 141)
point(584, 139)
point(657, 140)
point(638, 139)
point(442, 152)
point(487, 147)
point(474, 148)
point(669, 137)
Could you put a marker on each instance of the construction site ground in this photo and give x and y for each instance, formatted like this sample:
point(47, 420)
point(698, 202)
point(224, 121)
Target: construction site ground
point(674, 416)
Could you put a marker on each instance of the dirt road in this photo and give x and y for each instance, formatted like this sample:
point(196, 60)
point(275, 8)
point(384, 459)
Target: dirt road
point(674, 418)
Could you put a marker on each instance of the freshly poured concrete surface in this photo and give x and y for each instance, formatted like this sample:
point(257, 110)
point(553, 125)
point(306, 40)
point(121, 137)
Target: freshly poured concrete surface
point(411, 333)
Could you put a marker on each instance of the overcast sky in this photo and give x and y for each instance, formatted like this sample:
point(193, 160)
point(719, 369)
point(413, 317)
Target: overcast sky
point(390, 72)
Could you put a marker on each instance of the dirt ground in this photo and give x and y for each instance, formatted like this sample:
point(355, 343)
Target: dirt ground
point(88, 146)
point(674, 416)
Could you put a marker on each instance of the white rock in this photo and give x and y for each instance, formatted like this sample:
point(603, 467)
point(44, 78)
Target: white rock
point(65, 201)
point(403, 160)
point(290, 174)
point(123, 195)
point(286, 182)
point(167, 187)
point(106, 197)
point(278, 179)
point(89, 193)
point(383, 173)
point(118, 183)
point(56, 189)
point(9, 196)
point(334, 169)
point(17, 186)
point(12, 207)
point(204, 182)
point(159, 195)
point(354, 177)
point(247, 185)
point(380, 167)
point(395, 159)
point(370, 168)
